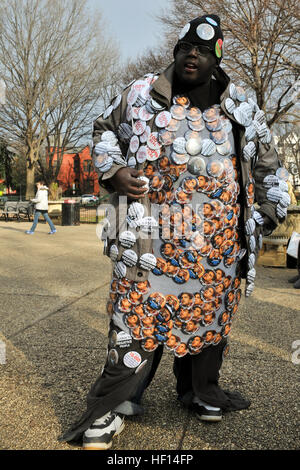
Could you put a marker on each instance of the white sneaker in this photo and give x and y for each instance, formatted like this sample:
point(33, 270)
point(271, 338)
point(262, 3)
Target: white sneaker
point(99, 436)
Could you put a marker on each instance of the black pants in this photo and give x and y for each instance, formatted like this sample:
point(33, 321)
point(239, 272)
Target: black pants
point(120, 388)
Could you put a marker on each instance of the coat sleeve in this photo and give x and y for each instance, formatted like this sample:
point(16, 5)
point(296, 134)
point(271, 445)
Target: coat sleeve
point(270, 190)
point(111, 136)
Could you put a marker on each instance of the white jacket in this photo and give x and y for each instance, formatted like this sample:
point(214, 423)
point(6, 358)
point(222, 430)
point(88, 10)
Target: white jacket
point(41, 199)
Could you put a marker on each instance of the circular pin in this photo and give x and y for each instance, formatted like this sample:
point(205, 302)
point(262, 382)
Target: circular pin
point(149, 344)
point(156, 182)
point(205, 31)
point(225, 148)
point(189, 184)
point(184, 30)
point(152, 155)
point(230, 105)
point(178, 112)
point(196, 125)
point(141, 155)
point(120, 269)
point(163, 119)
point(194, 114)
point(144, 114)
point(145, 135)
point(129, 257)
point(127, 239)
point(153, 142)
point(282, 173)
point(240, 93)
point(193, 146)
point(139, 127)
point(132, 359)
point(173, 125)
point(166, 137)
point(208, 147)
point(214, 125)
point(181, 100)
point(108, 112)
point(147, 261)
point(179, 145)
point(218, 48)
point(196, 166)
point(134, 144)
point(211, 114)
point(113, 357)
point(113, 253)
point(215, 168)
point(219, 137)
point(132, 96)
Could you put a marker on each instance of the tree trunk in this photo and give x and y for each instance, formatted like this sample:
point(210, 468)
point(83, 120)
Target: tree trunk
point(30, 186)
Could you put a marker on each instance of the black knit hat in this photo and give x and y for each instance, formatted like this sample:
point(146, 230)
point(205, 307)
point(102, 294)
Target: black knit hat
point(204, 30)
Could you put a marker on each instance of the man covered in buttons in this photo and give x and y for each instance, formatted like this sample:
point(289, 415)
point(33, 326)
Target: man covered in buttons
point(194, 122)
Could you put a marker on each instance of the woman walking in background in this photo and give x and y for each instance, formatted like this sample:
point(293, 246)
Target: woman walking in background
point(41, 207)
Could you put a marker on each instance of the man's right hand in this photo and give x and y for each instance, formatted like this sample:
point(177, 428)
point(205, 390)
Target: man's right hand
point(126, 182)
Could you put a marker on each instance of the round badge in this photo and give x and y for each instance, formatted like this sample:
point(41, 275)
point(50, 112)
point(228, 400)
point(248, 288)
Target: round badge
point(193, 146)
point(181, 100)
point(179, 145)
point(205, 31)
point(113, 338)
point(194, 114)
point(153, 142)
point(120, 269)
point(149, 344)
point(172, 342)
point(218, 48)
point(181, 350)
point(189, 184)
point(134, 144)
point(214, 126)
point(139, 127)
point(211, 114)
point(282, 173)
point(147, 261)
point(168, 250)
point(131, 162)
point(173, 125)
point(113, 253)
point(179, 158)
point(129, 257)
point(113, 357)
point(125, 306)
point(196, 166)
point(184, 30)
point(219, 137)
point(144, 114)
point(127, 239)
point(141, 366)
point(215, 168)
point(166, 137)
point(163, 119)
point(208, 147)
point(132, 359)
point(182, 197)
point(132, 96)
point(152, 155)
point(196, 125)
point(178, 112)
point(224, 148)
point(145, 135)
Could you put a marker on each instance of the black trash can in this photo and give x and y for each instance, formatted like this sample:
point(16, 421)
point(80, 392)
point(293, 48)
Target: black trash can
point(70, 213)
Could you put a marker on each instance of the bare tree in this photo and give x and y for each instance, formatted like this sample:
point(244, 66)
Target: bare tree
point(55, 63)
point(261, 47)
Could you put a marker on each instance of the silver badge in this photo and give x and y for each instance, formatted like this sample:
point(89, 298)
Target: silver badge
point(193, 146)
point(208, 147)
point(127, 239)
point(148, 261)
point(184, 30)
point(205, 31)
point(129, 257)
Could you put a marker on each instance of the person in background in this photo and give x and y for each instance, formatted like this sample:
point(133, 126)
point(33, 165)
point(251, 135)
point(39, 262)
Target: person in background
point(41, 207)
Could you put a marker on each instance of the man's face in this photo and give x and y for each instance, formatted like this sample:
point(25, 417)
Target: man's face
point(192, 68)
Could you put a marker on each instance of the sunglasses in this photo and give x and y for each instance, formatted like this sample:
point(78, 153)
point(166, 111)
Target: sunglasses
point(187, 47)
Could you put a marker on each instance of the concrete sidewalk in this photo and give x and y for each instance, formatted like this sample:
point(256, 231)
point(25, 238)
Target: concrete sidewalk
point(54, 327)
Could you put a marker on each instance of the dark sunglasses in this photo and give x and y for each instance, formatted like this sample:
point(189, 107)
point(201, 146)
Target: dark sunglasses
point(187, 47)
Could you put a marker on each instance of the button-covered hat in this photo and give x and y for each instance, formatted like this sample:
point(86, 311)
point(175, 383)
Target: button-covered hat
point(204, 30)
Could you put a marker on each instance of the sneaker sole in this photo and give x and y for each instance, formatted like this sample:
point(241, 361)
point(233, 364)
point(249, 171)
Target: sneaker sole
point(213, 419)
point(102, 445)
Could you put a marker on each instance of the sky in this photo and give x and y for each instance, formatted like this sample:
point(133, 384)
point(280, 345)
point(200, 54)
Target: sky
point(131, 23)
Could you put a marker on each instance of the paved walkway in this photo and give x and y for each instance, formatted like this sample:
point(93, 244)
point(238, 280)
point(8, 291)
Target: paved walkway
point(53, 325)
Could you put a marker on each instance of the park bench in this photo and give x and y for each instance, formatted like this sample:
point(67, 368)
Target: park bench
point(17, 209)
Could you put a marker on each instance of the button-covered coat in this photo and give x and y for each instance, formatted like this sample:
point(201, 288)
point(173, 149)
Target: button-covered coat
point(259, 165)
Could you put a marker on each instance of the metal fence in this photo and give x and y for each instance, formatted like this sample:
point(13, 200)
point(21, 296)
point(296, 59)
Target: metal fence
point(90, 214)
